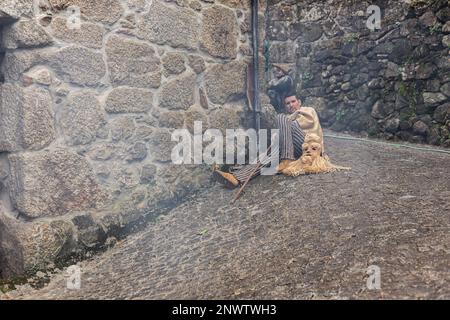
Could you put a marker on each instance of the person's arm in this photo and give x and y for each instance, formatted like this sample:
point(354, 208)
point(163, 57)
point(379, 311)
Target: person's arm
point(309, 121)
point(306, 118)
point(319, 129)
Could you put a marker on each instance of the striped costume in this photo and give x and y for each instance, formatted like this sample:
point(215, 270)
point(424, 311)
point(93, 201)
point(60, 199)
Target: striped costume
point(290, 147)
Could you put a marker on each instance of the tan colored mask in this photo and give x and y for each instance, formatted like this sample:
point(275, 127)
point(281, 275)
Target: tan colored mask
point(311, 160)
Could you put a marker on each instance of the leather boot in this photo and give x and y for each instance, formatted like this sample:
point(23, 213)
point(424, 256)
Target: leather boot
point(226, 179)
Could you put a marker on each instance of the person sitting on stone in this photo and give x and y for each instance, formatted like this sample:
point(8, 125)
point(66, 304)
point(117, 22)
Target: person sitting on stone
point(293, 127)
point(280, 86)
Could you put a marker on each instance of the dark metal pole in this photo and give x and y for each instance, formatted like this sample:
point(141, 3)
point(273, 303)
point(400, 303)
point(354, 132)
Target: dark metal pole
point(255, 40)
point(255, 84)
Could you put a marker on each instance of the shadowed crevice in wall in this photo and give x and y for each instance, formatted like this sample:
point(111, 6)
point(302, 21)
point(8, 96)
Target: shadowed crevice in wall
point(2, 56)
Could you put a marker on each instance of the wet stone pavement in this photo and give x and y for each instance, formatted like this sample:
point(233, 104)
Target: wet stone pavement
point(309, 237)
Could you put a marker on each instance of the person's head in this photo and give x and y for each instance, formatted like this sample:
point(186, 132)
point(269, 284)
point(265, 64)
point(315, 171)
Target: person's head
point(291, 103)
point(281, 69)
point(278, 72)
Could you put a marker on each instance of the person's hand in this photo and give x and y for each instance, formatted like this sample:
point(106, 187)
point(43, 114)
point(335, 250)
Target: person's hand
point(294, 116)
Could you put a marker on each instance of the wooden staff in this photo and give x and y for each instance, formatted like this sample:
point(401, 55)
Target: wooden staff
point(248, 179)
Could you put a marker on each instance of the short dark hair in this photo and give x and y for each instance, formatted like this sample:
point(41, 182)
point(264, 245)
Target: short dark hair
point(290, 95)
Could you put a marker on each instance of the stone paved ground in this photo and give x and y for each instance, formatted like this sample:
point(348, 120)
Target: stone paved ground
point(300, 238)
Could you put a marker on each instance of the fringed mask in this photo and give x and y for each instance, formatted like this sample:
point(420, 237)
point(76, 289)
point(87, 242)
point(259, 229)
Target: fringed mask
point(312, 160)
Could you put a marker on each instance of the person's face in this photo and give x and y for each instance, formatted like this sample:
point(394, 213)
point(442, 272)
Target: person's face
point(291, 104)
point(277, 72)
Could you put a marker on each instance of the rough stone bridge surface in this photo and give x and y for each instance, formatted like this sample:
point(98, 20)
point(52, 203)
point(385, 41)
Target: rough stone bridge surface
point(301, 238)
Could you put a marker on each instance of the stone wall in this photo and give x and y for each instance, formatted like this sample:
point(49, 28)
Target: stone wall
point(392, 83)
point(87, 108)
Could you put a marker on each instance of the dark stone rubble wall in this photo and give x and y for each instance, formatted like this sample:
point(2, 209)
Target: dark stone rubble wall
point(392, 83)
